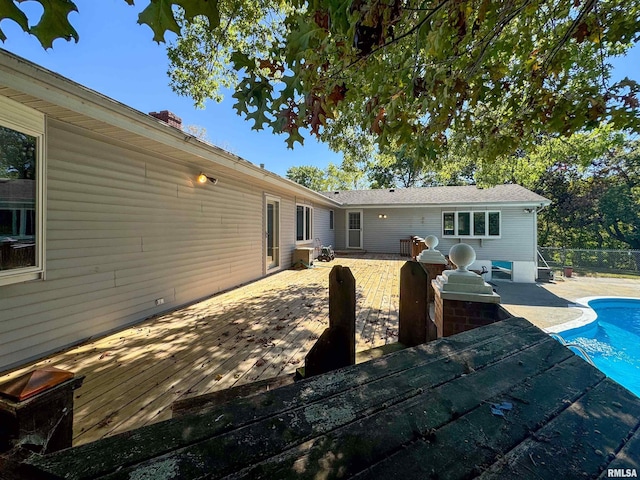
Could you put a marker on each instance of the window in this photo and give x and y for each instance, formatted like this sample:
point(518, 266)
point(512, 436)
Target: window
point(464, 224)
point(304, 223)
point(21, 212)
point(449, 224)
point(479, 223)
point(331, 219)
point(476, 224)
point(494, 224)
point(354, 220)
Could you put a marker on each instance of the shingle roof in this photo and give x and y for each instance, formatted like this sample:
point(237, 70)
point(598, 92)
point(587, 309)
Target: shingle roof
point(467, 194)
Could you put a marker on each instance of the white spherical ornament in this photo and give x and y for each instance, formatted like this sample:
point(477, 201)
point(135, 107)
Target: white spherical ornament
point(431, 241)
point(462, 255)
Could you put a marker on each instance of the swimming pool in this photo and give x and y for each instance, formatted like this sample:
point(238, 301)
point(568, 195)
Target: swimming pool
point(612, 340)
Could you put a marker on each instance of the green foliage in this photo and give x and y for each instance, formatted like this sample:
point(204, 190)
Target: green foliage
point(400, 169)
point(205, 60)
point(411, 73)
point(595, 205)
point(334, 177)
point(160, 17)
point(344, 177)
point(308, 176)
point(53, 23)
point(617, 177)
point(9, 10)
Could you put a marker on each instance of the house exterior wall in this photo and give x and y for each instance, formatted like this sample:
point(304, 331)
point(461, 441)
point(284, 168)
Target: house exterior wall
point(340, 229)
point(517, 242)
point(321, 226)
point(125, 228)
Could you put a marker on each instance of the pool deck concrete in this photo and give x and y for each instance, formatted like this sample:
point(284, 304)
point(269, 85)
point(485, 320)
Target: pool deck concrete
point(552, 303)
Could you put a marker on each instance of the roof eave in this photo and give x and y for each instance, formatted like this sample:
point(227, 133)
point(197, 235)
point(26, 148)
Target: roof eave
point(531, 203)
point(39, 82)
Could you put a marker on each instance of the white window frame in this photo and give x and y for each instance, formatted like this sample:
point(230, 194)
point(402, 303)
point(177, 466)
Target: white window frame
point(306, 208)
point(31, 122)
point(472, 234)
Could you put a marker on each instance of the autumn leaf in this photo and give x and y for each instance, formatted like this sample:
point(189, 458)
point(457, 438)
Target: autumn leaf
point(270, 66)
point(337, 94)
point(376, 126)
point(581, 32)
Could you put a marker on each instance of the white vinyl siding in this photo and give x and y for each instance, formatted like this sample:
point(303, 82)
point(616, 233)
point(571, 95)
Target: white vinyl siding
point(125, 228)
point(382, 235)
point(321, 222)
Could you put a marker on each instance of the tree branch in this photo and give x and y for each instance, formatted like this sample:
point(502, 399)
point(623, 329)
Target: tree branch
point(589, 5)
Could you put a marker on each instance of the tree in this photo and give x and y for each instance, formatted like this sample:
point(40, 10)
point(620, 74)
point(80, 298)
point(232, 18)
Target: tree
point(345, 177)
point(617, 177)
point(332, 178)
point(308, 176)
point(200, 58)
point(400, 170)
point(409, 72)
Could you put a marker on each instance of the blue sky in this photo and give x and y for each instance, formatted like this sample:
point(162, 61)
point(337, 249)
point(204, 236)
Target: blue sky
point(116, 57)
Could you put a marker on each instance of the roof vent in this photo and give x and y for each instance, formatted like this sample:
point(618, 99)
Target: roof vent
point(392, 190)
point(336, 192)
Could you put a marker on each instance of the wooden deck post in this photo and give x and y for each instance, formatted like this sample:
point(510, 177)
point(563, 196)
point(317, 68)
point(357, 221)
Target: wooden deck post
point(336, 347)
point(36, 409)
point(414, 309)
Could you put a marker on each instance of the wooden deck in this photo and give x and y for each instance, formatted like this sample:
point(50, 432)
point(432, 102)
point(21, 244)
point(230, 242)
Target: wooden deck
point(501, 401)
point(257, 331)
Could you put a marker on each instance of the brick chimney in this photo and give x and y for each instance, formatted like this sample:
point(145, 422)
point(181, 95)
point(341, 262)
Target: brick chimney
point(169, 118)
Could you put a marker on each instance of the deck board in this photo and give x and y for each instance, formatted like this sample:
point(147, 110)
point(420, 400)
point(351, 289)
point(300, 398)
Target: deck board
point(260, 330)
point(421, 412)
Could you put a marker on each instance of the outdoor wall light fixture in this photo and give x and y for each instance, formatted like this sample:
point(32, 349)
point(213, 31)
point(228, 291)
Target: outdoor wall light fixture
point(202, 178)
point(528, 210)
point(382, 215)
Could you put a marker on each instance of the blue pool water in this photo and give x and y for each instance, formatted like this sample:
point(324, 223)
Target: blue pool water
point(613, 340)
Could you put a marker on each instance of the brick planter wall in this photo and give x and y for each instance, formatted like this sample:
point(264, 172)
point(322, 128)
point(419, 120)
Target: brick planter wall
point(455, 316)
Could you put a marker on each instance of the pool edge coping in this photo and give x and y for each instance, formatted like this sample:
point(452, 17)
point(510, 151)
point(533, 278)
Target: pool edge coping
point(587, 316)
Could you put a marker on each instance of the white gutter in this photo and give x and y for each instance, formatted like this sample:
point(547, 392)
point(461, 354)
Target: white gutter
point(448, 205)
